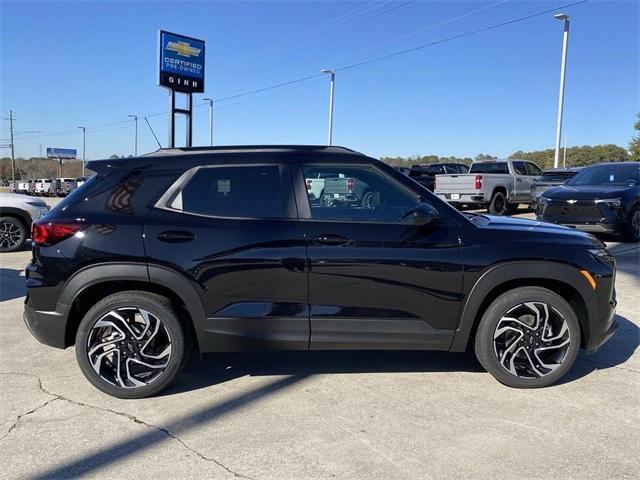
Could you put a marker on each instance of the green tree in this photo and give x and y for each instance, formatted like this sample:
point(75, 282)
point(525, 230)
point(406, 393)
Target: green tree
point(634, 146)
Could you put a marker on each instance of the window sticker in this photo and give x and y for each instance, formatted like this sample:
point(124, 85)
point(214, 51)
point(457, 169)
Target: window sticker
point(224, 185)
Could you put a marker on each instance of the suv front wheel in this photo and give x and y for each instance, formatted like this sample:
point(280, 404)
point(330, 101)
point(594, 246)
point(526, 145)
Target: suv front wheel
point(131, 344)
point(528, 338)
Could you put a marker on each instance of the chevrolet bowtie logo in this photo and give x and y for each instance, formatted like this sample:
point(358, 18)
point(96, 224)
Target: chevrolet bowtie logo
point(571, 201)
point(183, 49)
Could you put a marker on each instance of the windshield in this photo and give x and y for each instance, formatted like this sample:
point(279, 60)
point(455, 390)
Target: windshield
point(497, 167)
point(619, 174)
point(557, 176)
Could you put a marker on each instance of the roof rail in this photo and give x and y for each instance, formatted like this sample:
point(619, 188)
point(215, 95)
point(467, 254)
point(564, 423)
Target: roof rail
point(241, 148)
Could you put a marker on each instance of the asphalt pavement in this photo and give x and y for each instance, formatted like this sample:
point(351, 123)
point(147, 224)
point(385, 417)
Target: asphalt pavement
point(373, 415)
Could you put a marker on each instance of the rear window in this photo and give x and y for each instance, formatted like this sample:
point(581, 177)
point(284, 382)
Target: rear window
point(240, 191)
point(496, 167)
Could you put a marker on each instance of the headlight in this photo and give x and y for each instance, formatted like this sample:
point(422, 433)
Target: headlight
point(611, 202)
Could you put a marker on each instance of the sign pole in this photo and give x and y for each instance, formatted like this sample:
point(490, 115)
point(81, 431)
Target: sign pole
point(189, 122)
point(172, 124)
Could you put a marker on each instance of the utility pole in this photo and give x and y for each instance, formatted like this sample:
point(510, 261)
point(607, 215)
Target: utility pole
point(210, 101)
point(13, 153)
point(135, 141)
point(331, 85)
point(563, 69)
point(84, 149)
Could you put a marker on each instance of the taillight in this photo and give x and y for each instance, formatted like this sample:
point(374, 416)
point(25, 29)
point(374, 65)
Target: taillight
point(49, 233)
point(309, 182)
point(478, 182)
point(350, 184)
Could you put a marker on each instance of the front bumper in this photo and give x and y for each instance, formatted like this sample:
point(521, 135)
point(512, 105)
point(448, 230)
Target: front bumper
point(47, 327)
point(603, 331)
point(589, 227)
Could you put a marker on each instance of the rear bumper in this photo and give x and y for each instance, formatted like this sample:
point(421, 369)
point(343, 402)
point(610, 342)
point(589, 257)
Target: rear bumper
point(47, 327)
point(466, 198)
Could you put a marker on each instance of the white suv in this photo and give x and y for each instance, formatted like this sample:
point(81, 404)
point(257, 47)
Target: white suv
point(17, 212)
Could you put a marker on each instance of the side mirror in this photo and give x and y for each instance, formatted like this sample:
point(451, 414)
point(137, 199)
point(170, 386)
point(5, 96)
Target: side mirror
point(425, 215)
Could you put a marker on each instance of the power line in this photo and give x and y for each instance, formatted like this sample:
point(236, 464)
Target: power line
point(296, 37)
point(455, 37)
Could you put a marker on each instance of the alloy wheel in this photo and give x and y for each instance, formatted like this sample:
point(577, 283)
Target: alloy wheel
point(531, 340)
point(129, 347)
point(10, 235)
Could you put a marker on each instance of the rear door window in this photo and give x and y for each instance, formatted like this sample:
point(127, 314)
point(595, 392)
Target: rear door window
point(233, 191)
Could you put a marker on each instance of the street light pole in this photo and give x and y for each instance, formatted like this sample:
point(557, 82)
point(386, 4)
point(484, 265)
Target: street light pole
point(135, 141)
point(210, 101)
point(84, 149)
point(13, 154)
point(563, 69)
point(331, 85)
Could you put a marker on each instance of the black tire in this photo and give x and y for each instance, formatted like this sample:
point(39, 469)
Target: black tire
point(498, 205)
point(157, 306)
point(13, 234)
point(527, 349)
point(632, 227)
point(368, 200)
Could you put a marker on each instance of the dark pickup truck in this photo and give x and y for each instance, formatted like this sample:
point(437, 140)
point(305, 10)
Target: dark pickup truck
point(425, 174)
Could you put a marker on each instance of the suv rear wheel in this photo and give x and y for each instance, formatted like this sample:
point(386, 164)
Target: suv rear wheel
point(528, 338)
point(13, 234)
point(131, 344)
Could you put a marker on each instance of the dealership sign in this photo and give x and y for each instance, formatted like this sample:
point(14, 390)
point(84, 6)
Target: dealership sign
point(180, 63)
point(69, 153)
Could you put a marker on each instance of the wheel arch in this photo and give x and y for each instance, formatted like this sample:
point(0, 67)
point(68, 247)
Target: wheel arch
point(565, 280)
point(18, 213)
point(500, 188)
point(93, 283)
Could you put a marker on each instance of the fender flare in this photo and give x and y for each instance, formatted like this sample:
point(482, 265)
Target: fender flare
point(182, 287)
point(513, 271)
point(17, 212)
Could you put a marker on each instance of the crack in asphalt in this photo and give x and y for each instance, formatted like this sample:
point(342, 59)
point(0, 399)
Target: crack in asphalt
point(22, 415)
point(115, 412)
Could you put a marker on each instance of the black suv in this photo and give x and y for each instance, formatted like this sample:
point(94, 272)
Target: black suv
point(602, 198)
point(220, 250)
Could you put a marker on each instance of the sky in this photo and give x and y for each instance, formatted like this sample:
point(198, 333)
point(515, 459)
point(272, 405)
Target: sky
point(91, 63)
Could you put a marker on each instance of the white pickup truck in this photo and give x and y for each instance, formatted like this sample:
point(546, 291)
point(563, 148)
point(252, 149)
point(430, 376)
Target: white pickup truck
point(498, 185)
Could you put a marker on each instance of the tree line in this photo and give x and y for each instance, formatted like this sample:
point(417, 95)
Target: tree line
point(574, 157)
point(37, 167)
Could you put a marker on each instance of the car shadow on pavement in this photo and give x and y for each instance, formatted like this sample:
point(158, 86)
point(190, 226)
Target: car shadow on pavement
point(612, 354)
point(218, 368)
point(11, 284)
point(170, 431)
